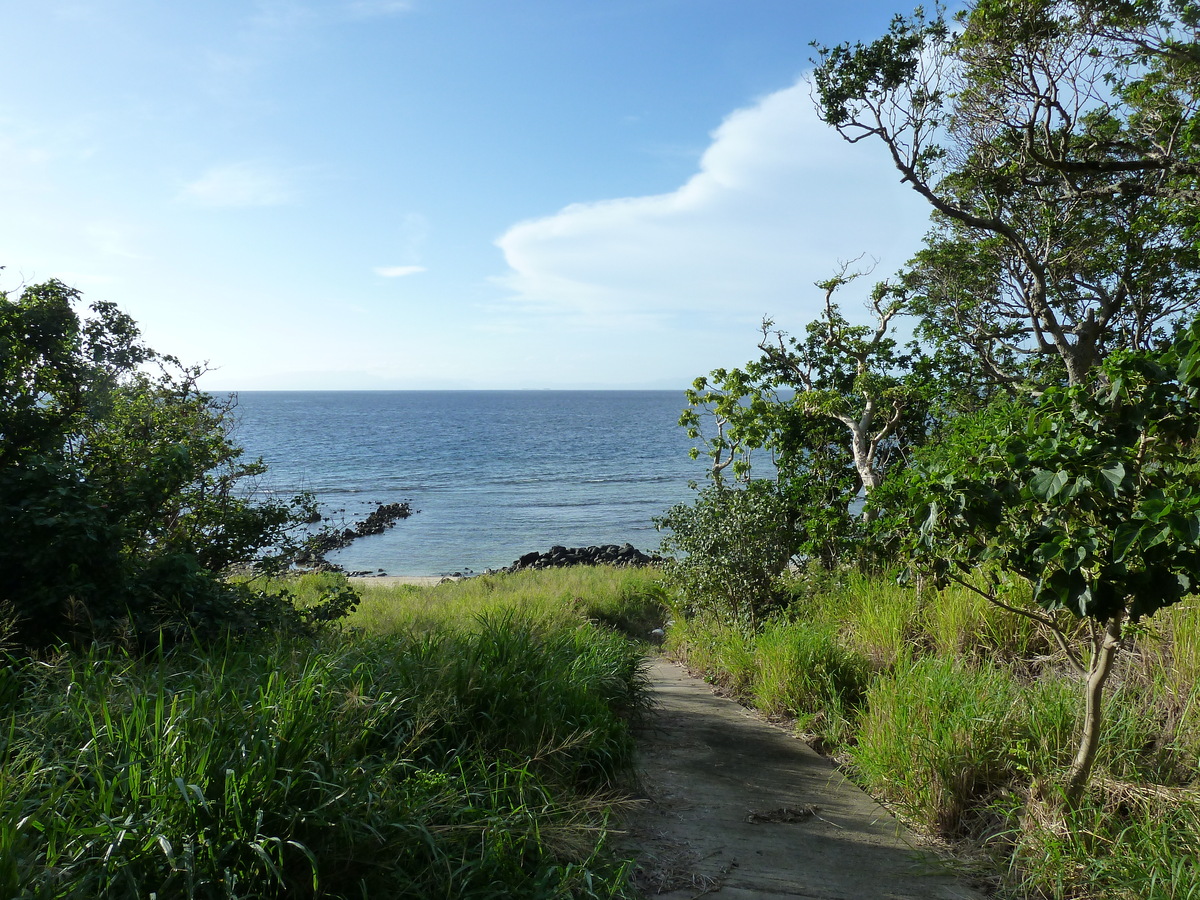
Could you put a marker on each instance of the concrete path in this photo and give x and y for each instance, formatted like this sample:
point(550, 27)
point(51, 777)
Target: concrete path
point(739, 809)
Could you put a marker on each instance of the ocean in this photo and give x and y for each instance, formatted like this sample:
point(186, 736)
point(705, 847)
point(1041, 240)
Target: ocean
point(493, 474)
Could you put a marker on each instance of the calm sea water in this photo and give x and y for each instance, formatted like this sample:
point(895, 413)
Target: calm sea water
point(494, 474)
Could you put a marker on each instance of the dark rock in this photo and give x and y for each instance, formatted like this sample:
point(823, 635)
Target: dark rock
point(560, 557)
point(385, 515)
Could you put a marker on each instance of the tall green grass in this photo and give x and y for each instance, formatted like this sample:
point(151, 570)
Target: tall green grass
point(806, 672)
point(964, 717)
point(943, 740)
point(795, 670)
point(629, 600)
point(1132, 844)
point(472, 757)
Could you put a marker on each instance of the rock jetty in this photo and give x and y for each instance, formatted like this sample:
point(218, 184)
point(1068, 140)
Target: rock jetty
point(384, 516)
point(624, 555)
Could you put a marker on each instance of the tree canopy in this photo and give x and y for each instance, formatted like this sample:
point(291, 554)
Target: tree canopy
point(1055, 142)
point(123, 502)
point(1042, 432)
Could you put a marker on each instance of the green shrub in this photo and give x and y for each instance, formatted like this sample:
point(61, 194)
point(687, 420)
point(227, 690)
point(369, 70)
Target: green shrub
point(123, 501)
point(729, 552)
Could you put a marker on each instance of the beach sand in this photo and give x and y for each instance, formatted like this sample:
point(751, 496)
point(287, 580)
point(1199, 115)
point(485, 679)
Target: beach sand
point(421, 580)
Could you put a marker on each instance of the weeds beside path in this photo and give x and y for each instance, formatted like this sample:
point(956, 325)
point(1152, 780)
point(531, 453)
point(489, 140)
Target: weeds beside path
point(739, 809)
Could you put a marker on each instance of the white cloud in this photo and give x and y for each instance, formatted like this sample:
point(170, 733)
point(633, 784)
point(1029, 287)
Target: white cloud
point(241, 184)
point(778, 200)
point(398, 271)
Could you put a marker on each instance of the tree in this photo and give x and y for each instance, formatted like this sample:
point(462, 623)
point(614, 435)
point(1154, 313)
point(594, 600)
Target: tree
point(1055, 142)
point(834, 409)
point(123, 503)
point(852, 374)
point(1087, 496)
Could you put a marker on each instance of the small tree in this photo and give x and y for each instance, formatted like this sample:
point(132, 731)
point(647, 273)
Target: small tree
point(835, 410)
point(727, 551)
point(1086, 494)
point(123, 503)
point(855, 375)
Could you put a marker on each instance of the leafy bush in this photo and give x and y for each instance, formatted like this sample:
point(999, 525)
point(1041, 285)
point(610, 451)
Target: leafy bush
point(728, 552)
point(123, 503)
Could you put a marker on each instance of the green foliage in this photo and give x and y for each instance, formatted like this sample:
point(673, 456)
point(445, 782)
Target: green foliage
point(1055, 143)
point(831, 410)
point(806, 671)
point(55, 370)
point(1087, 495)
point(728, 552)
point(628, 599)
point(442, 764)
point(834, 409)
point(938, 739)
point(798, 670)
point(123, 503)
point(966, 735)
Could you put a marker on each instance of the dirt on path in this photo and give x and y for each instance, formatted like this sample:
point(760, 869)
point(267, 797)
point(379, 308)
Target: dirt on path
point(739, 809)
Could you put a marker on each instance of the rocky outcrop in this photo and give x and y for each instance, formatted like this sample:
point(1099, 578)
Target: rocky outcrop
point(624, 555)
point(384, 516)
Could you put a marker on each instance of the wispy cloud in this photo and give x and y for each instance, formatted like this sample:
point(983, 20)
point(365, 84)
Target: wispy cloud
point(778, 199)
point(412, 234)
point(241, 184)
point(112, 239)
point(370, 9)
point(398, 271)
point(268, 32)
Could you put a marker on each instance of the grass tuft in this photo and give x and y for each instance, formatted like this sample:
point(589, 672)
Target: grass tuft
point(475, 755)
point(964, 717)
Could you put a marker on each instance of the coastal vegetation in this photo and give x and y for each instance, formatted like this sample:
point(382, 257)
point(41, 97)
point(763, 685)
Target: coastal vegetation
point(1027, 463)
point(968, 571)
point(458, 741)
point(961, 716)
point(181, 716)
point(124, 503)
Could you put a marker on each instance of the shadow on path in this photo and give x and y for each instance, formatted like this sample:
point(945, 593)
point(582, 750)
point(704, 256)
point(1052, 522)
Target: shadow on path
point(738, 809)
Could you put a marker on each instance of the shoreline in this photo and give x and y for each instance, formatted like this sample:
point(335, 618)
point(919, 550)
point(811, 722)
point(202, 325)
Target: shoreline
point(557, 557)
point(389, 580)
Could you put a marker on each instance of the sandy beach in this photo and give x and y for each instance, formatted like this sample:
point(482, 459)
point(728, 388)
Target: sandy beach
point(421, 580)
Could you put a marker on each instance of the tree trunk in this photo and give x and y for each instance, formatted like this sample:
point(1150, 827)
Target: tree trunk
point(1103, 657)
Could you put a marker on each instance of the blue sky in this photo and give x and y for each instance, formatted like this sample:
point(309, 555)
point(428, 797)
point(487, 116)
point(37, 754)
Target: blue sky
point(412, 194)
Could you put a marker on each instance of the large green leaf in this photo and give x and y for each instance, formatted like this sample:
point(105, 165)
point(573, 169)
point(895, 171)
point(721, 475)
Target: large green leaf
point(1113, 477)
point(1047, 485)
point(1123, 538)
